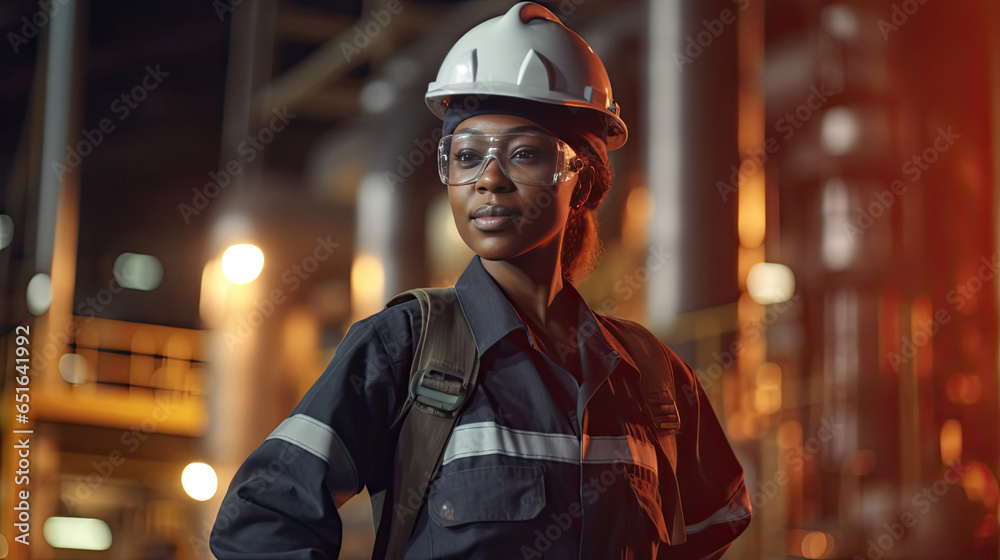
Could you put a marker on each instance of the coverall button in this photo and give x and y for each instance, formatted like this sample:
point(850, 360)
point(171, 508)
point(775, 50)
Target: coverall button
point(447, 511)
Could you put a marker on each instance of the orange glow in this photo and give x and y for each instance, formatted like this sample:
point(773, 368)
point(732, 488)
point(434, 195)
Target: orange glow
point(753, 355)
point(769, 375)
point(214, 293)
point(809, 544)
point(752, 217)
point(745, 260)
point(986, 528)
point(748, 310)
point(816, 545)
point(742, 426)
point(964, 389)
point(951, 442)
point(790, 434)
point(767, 397)
point(300, 338)
point(971, 389)
point(750, 129)
point(974, 483)
point(638, 212)
point(189, 418)
point(767, 401)
point(367, 285)
point(980, 485)
point(141, 363)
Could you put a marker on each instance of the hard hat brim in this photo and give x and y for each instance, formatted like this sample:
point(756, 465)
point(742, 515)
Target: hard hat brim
point(437, 101)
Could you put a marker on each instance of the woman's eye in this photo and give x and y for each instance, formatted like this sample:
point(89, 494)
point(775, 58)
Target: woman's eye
point(526, 154)
point(467, 156)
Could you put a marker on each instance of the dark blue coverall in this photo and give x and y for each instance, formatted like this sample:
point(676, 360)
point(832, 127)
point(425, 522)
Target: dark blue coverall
point(538, 466)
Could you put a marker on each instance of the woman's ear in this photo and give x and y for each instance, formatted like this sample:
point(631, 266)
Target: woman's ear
point(584, 184)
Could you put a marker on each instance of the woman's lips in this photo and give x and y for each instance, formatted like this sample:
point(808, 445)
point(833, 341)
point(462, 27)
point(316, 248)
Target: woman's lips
point(493, 218)
point(493, 223)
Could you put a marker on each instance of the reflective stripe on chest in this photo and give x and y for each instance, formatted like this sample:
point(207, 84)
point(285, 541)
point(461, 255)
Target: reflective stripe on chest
point(489, 438)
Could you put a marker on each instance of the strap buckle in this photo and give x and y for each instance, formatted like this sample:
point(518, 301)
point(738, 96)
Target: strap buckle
point(444, 391)
point(663, 411)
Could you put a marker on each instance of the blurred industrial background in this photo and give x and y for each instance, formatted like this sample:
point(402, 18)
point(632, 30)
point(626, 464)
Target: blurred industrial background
point(198, 198)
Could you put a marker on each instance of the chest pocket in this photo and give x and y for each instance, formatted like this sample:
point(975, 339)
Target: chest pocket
point(503, 493)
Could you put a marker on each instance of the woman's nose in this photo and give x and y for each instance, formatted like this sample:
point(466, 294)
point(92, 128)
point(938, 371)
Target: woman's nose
point(493, 178)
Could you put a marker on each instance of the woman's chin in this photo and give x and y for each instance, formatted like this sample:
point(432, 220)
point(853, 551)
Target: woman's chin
point(494, 254)
point(506, 247)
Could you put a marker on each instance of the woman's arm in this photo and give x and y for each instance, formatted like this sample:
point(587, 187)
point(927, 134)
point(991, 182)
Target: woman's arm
point(713, 494)
point(282, 502)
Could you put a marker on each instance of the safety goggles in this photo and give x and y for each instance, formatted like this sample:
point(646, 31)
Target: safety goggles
point(529, 159)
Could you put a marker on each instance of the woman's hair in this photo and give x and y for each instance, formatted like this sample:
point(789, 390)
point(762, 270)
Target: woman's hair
point(581, 248)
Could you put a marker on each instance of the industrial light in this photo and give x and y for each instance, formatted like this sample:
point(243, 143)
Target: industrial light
point(138, 272)
point(840, 229)
point(840, 20)
point(73, 368)
point(39, 293)
point(770, 283)
point(377, 96)
point(79, 533)
point(242, 263)
point(367, 281)
point(951, 442)
point(199, 481)
point(817, 544)
point(840, 131)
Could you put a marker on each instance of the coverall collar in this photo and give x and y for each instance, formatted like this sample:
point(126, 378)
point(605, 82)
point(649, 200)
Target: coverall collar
point(491, 316)
point(486, 308)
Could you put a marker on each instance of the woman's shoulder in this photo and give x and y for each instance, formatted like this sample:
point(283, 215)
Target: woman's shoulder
point(395, 325)
point(629, 330)
point(636, 337)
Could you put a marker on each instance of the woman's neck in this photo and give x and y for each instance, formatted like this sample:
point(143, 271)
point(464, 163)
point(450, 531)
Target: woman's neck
point(536, 292)
point(533, 282)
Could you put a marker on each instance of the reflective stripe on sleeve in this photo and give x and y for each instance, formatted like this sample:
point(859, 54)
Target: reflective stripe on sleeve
point(738, 508)
point(489, 438)
point(320, 440)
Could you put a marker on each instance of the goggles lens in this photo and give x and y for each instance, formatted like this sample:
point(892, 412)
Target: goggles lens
point(530, 159)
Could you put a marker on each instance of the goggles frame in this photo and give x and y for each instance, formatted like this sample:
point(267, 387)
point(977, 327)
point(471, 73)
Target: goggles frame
point(566, 164)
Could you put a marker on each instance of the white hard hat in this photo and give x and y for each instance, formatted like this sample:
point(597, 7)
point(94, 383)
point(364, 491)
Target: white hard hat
point(528, 54)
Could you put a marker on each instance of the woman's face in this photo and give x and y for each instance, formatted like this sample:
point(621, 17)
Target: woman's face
point(501, 219)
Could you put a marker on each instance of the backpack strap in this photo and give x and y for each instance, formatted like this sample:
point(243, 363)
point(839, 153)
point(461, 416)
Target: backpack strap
point(656, 383)
point(444, 373)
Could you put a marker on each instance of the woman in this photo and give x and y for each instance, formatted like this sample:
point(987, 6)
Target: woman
point(570, 444)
